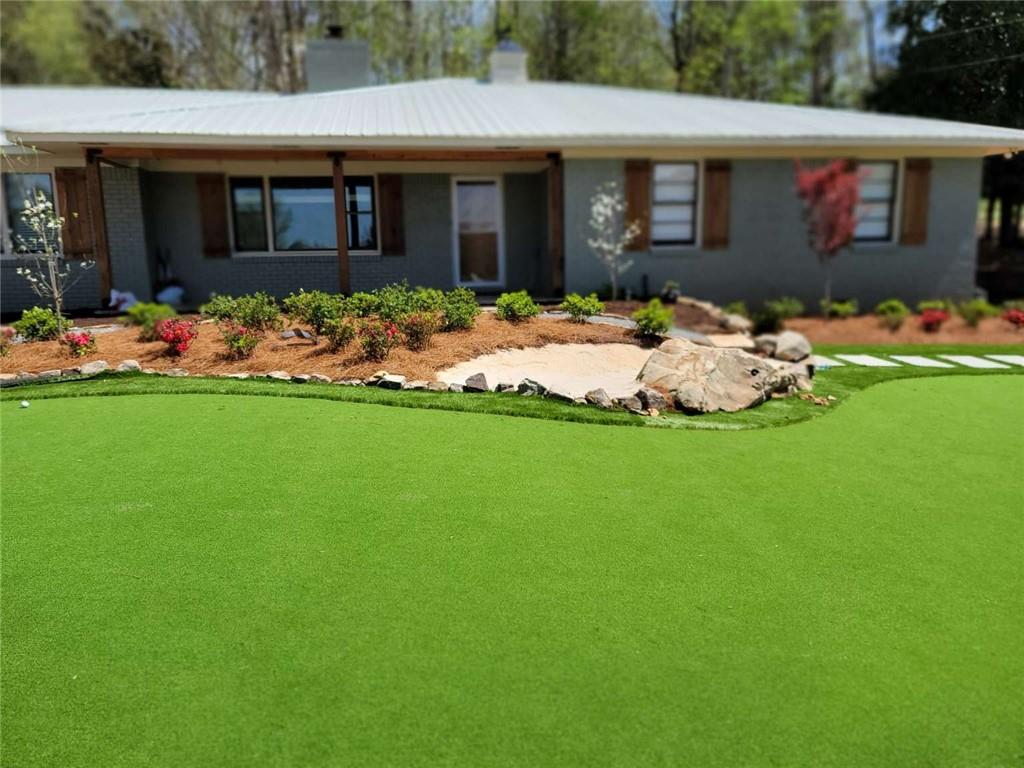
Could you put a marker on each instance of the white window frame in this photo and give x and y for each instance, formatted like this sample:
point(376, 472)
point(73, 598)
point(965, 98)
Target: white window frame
point(268, 217)
point(897, 204)
point(456, 271)
point(7, 232)
point(698, 209)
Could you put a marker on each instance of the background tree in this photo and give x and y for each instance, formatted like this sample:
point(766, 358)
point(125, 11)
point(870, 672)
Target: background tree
point(830, 194)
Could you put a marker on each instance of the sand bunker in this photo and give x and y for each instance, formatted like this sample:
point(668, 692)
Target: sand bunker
point(571, 368)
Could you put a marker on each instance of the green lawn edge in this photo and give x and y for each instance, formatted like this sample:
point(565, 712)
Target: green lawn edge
point(840, 384)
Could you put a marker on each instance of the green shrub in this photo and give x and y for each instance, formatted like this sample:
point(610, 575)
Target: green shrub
point(377, 338)
point(785, 308)
point(427, 300)
point(257, 310)
point(40, 324)
point(394, 301)
point(339, 332)
point(219, 307)
point(240, 340)
point(582, 307)
point(314, 308)
point(359, 304)
point(891, 313)
point(460, 309)
point(944, 305)
point(1017, 304)
point(652, 320)
point(975, 310)
point(737, 308)
point(840, 309)
point(146, 316)
point(419, 327)
point(516, 306)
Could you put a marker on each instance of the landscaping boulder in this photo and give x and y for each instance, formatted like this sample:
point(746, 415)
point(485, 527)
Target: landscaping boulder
point(437, 386)
point(792, 346)
point(391, 381)
point(652, 398)
point(280, 375)
point(129, 365)
point(599, 398)
point(736, 323)
point(287, 334)
point(236, 375)
point(300, 378)
point(704, 380)
point(70, 371)
point(505, 387)
point(529, 387)
point(418, 384)
point(319, 377)
point(373, 380)
point(8, 379)
point(561, 396)
point(766, 343)
point(96, 366)
point(476, 383)
point(176, 373)
point(454, 387)
point(631, 404)
point(51, 374)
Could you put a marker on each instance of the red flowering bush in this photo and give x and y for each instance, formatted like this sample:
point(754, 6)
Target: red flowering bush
point(177, 334)
point(378, 338)
point(1015, 317)
point(932, 319)
point(419, 327)
point(240, 340)
point(79, 343)
point(6, 339)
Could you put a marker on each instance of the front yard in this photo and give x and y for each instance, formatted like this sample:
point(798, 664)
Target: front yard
point(219, 580)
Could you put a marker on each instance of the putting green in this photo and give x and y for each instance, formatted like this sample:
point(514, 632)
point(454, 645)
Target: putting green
point(195, 580)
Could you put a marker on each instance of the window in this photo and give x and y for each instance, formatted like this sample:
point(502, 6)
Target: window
point(360, 211)
point(303, 214)
point(674, 204)
point(250, 217)
point(19, 187)
point(877, 202)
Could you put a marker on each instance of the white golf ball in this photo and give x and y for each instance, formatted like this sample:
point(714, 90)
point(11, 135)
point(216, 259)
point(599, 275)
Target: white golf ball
point(24, 403)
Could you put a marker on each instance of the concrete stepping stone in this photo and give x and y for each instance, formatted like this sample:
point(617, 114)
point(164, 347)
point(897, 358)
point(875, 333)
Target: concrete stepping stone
point(820, 361)
point(921, 362)
point(869, 361)
point(973, 361)
point(1011, 359)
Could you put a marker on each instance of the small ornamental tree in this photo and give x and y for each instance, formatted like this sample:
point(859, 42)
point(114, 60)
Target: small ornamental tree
point(610, 234)
point(48, 272)
point(830, 194)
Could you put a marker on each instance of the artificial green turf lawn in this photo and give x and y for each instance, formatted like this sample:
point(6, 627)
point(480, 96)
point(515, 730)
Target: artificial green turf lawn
point(196, 580)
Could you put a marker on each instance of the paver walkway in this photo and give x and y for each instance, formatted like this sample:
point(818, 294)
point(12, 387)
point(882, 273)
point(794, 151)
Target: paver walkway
point(922, 362)
point(991, 362)
point(1011, 359)
point(972, 361)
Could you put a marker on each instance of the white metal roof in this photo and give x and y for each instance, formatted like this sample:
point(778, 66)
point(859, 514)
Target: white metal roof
point(457, 112)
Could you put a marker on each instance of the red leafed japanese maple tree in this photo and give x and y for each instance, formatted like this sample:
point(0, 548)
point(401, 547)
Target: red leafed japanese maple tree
point(830, 194)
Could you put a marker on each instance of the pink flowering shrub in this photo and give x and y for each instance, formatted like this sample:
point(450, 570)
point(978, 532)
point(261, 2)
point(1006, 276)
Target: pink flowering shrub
point(378, 338)
point(240, 340)
point(79, 343)
point(177, 334)
point(932, 319)
point(1014, 317)
point(6, 340)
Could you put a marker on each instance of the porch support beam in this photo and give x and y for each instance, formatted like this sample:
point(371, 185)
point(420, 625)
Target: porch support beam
point(98, 221)
point(382, 155)
point(341, 221)
point(556, 228)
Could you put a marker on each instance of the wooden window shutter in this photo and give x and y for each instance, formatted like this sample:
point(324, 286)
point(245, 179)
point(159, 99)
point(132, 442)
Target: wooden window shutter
point(392, 221)
point(916, 187)
point(73, 205)
point(213, 214)
point(638, 202)
point(717, 175)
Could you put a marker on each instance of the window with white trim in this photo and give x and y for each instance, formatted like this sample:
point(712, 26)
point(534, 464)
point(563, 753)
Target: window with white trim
point(877, 206)
point(20, 188)
point(674, 204)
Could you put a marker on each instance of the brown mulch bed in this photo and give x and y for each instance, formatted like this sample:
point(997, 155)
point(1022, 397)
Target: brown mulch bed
point(207, 354)
point(866, 330)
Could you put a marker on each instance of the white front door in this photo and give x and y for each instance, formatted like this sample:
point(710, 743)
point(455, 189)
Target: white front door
point(478, 236)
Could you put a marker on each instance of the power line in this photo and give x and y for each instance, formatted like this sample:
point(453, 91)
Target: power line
point(939, 35)
point(965, 64)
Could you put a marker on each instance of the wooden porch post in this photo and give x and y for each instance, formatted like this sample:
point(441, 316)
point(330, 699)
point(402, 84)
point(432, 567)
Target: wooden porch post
point(98, 220)
point(556, 231)
point(340, 220)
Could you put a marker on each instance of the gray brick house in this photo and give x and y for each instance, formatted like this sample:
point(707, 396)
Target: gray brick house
point(479, 183)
